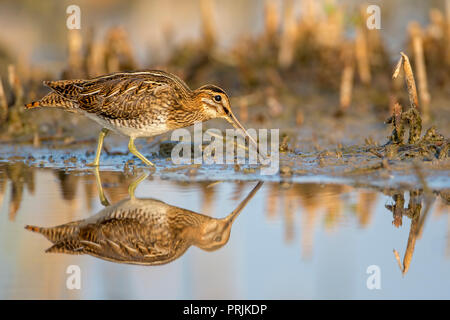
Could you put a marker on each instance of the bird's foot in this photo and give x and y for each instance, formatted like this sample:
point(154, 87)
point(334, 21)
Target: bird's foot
point(92, 164)
point(149, 163)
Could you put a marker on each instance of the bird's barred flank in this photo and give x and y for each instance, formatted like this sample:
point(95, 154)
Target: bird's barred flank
point(32, 105)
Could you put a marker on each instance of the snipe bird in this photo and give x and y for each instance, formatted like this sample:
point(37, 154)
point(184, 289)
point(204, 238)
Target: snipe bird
point(139, 104)
point(141, 231)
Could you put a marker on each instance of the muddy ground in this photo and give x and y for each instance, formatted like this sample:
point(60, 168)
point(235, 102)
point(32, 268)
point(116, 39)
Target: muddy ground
point(354, 149)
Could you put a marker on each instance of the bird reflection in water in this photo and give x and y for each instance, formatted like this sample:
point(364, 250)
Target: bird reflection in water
point(141, 231)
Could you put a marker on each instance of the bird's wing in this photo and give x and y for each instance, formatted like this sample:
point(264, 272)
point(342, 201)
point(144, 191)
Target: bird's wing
point(119, 96)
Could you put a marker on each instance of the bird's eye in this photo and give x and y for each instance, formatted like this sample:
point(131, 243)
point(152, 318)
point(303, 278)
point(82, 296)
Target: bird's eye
point(217, 98)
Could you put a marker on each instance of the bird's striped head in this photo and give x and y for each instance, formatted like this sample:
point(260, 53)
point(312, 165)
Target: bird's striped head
point(213, 101)
point(215, 104)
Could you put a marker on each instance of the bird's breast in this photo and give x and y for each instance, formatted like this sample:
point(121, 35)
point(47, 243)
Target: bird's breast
point(135, 128)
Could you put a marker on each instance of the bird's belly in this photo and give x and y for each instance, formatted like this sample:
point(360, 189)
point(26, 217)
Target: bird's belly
point(130, 128)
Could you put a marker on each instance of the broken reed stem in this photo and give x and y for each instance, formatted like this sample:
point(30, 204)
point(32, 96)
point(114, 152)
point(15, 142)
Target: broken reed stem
point(397, 122)
point(3, 104)
point(209, 32)
point(424, 94)
point(409, 78)
point(362, 56)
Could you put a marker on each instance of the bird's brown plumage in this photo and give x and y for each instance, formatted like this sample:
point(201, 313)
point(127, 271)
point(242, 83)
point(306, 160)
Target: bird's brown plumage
point(141, 231)
point(139, 104)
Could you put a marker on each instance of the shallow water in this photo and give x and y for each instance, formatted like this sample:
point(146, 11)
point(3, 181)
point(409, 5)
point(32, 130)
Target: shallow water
point(291, 241)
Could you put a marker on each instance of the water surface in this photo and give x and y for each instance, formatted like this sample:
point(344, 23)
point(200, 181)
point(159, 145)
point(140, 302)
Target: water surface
point(290, 241)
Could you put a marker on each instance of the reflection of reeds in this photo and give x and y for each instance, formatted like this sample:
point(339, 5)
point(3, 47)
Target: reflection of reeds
point(20, 176)
point(208, 198)
point(290, 207)
point(68, 184)
point(414, 213)
point(365, 207)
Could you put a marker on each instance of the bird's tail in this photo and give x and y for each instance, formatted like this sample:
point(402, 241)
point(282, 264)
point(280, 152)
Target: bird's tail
point(58, 233)
point(52, 100)
point(32, 105)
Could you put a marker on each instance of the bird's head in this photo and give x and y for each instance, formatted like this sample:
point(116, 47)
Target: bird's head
point(214, 234)
point(214, 101)
point(216, 104)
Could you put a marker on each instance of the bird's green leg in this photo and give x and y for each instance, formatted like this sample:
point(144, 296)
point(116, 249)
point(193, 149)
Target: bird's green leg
point(101, 136)
point(135, 183)
point(101, 194)
point(134, 151)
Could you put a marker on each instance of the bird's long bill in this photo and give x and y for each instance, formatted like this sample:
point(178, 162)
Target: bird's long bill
point(235, 123)
point(233, 215)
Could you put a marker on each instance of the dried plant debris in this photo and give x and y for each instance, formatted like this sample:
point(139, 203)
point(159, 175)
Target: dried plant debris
point(432, 145)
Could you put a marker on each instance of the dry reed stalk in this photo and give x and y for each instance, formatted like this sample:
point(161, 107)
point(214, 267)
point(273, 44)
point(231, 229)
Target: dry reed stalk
point(329, 32)
point(15, 84)
point(362, 56)
point(409, 78)
point(392, 102)
point(397, 121)
point(288, 37)
point(424, 95)
point(274, 104)
point(271, 20)
point(309, 13)
point(299, 118)
point(118, 51)
point(75, 44)
point(346, 87)
point(243, 112)
point(447, 31)
point(209, 32)
point(95, 60)
point(3, 104)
